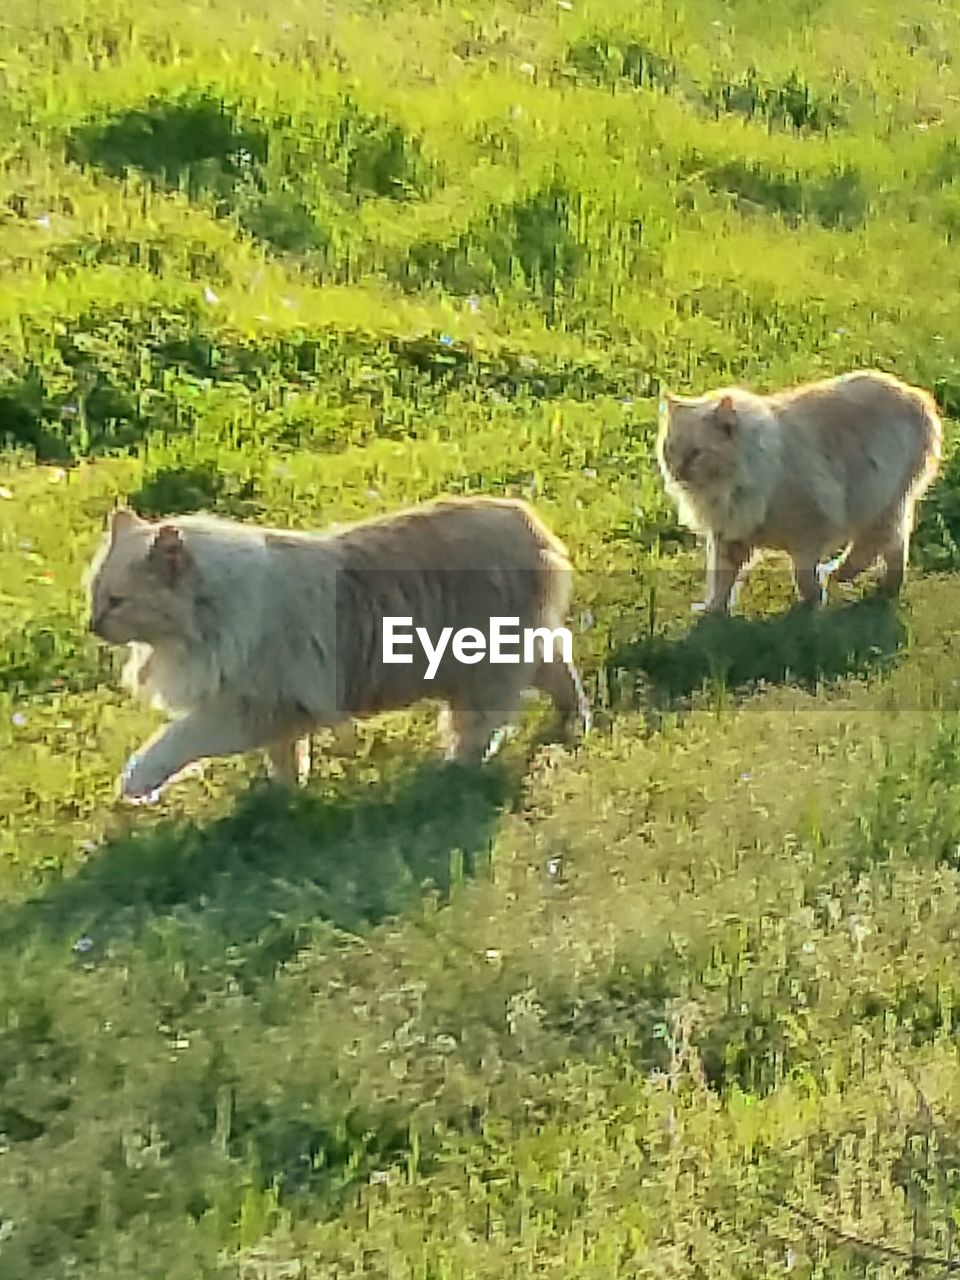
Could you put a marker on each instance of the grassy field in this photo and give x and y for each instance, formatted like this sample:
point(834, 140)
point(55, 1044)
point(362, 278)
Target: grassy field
point(682, 1004)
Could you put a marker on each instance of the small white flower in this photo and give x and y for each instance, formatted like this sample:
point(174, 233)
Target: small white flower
point(209, 295)
point(809, 947)
point(83, 945)
point(590, 473)
point(554, 866)
point(19, 719)
point(44, 221)
point(5, 492)
point(527, 69)
point(379, 1177)
point(746, 777)
point(492, 953)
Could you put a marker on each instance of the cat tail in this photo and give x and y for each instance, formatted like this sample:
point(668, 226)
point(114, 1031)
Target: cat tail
point(928, 464)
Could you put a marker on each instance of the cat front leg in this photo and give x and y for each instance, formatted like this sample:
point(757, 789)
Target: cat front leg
point(289, 761)
point(725, 562)
point(212, 730)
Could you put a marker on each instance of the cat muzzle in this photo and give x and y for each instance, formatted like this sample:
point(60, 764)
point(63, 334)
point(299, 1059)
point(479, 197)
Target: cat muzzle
point(95, 625)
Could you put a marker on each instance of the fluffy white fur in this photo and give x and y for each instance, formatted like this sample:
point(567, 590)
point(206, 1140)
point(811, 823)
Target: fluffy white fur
point(831, 465)
point(253, 637)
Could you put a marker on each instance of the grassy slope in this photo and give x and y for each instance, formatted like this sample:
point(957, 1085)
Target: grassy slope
point(584, 1017)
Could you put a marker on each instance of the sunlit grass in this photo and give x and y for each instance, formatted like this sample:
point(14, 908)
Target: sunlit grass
point(630, 1012)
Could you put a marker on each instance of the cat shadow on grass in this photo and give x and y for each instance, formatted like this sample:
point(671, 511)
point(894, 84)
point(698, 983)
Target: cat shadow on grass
point(800, 647)
point(258, 879)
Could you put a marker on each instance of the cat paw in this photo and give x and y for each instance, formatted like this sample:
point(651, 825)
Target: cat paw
point(499, 739)
point(826, 570)
point(130, 797)
point(136, 785)
point(812, 603)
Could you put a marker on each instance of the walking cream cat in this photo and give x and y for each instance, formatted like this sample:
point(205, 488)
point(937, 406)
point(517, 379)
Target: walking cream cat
point(831, 465)
point(253, 637)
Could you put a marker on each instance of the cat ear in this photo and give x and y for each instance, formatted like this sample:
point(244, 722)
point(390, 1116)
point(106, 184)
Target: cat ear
point(123, 520)
point(726, 413)
point(666, 404)
point(167, 553)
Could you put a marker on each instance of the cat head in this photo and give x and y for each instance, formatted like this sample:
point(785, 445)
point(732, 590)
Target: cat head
point(698, 439)
point(141, 584)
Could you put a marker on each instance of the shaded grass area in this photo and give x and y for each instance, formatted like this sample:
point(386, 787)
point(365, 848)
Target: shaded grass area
point(798, 647)
point(349, 853)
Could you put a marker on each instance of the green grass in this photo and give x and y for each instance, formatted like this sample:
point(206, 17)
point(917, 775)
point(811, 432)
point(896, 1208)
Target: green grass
point(680, 1004)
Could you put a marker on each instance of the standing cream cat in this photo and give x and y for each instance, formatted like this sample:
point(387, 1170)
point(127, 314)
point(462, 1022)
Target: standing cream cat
point(256, 636)
point(834, 464)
